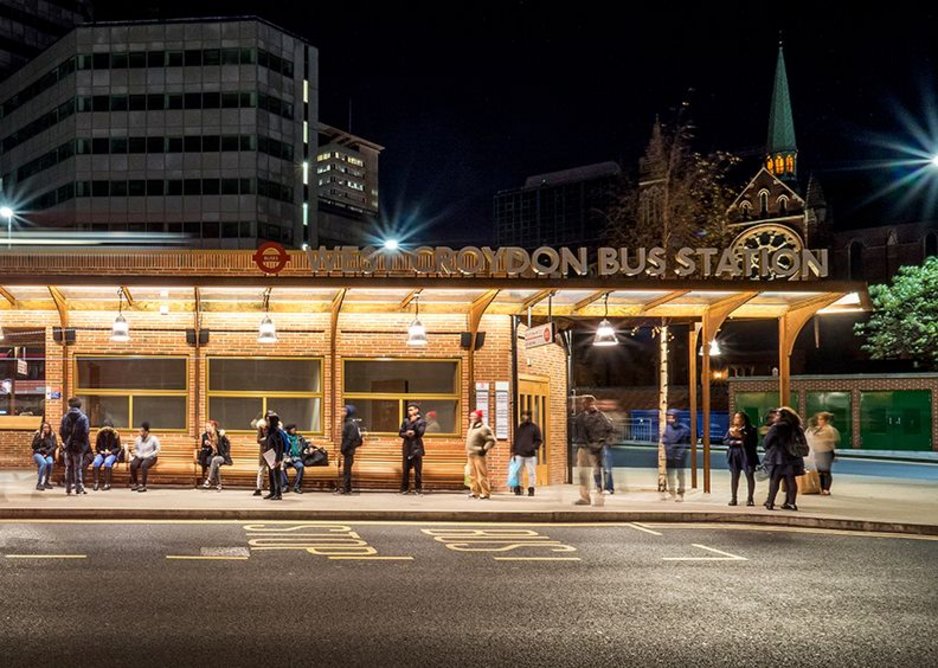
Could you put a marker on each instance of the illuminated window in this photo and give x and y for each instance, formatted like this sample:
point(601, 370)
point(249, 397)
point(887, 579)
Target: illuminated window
point(305, 90)
point(770, 165)
point(790, 164)
point(306, 213)
point(356, 161)
point(23, 371)
point(381, 390)
point(240, 389)
point(130, 390)
point(305, 132)
point(305, 173)
point(779, 164)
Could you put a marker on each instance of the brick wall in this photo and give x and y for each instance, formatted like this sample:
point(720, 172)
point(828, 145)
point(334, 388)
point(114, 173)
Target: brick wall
point(853, 384)
point(359, 335)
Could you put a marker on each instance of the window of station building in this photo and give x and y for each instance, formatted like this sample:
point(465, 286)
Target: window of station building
point(381, 390)
point(130, 390)
point(22, 372)
point(240, 389)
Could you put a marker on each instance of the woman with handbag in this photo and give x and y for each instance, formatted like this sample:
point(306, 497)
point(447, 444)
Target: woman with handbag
point(741, 456)
point(215, 440)
point(823, 438)
point(783, 442)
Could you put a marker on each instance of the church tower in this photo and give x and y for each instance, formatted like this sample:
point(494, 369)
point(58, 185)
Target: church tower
point(781, 151)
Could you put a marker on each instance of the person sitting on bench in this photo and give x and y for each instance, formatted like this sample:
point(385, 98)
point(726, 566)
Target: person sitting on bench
point(107, 451)
point(146, 449)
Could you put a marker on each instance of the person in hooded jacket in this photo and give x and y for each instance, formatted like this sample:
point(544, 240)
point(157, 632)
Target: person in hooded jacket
point(780, 459)
point(73, 431)
point(351, 441)
point(276, 441)
point(215, 439)
point(676, 441)
point(44, 445)
point(107, 451)
point(528, 441)
point(741, 456)
point(593, 430)
point(412, 430)
point(260, 424)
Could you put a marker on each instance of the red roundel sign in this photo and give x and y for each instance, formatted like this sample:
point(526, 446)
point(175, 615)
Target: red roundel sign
point(271, 257)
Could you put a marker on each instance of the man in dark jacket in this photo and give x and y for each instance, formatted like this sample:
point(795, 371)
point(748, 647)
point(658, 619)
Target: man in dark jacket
point(593, 431)
point(412, 430)
point(676, 441)
point(277, 443)
point(73, 431)
point(528, 441)
point(351, 440)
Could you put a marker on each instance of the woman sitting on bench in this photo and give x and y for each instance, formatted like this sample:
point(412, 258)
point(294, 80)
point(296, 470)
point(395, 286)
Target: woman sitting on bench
point(146, 449)
point(216, 452)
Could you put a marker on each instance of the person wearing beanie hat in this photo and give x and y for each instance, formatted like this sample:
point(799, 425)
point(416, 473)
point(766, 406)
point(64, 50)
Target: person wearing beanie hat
point(351, 441)
point(479, 440)
point(433, 425)
point(412, 430)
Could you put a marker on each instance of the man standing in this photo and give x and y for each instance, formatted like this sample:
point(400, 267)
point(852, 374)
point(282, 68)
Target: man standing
point(412, 430)
point(479, 440)
point(676, 441)
point(277, 443)
point(74, 430)
point(594, 429)
point(146, 449)
point(528, 441)
point(351, 440)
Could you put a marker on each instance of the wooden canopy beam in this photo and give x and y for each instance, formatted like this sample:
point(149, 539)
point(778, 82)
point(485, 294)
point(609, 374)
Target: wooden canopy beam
point(534, 299)
point(789, 326)
point(664, 299)
point(130, 300)
point(61, 305)
point(595, 297)
point(8, 296)
point(405, 302)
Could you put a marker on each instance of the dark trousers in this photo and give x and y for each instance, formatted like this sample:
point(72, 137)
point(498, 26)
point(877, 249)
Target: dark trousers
point(780, 473)
point(750, 481)
point(825, 477)
point(347, 461)
point(138, 463)
point(273, 477)
point(415, 463)
point(73, 470)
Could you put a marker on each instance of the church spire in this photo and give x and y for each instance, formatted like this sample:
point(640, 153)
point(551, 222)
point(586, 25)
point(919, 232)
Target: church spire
point(781, 150)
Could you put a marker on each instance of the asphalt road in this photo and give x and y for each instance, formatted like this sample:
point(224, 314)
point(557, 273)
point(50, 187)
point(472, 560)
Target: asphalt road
point(365, 594)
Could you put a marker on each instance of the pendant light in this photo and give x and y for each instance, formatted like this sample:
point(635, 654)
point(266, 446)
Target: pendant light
point(267, 332)
point(416, 332)
point(605, 333)
point(715, 350)
point(120, 330)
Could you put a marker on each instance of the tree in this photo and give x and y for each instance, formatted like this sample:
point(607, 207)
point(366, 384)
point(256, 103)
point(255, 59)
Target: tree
point(681, 197)
point(904, 322)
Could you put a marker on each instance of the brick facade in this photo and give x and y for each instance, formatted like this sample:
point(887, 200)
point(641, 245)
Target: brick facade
point(844, 383)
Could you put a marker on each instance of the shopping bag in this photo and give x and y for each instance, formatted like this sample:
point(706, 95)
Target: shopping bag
point(809, 483)
point(514, 473)
point(467, 475)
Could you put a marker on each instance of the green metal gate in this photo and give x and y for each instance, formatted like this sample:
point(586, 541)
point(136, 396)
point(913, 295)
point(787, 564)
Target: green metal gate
point(757, 406)
point(837, 403)
point(899, 420)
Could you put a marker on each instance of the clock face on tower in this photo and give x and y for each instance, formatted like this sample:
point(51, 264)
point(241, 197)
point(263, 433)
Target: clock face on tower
point(769, 237)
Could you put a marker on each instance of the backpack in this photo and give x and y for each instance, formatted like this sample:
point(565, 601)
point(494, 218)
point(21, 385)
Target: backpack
point(798, 444)
point(71, 421)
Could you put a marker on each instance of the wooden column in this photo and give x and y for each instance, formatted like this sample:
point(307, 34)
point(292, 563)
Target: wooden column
point(790, 324)
point(693, 336)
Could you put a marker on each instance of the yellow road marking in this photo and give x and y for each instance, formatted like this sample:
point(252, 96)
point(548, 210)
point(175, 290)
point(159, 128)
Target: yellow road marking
point(643, 527)
point(349, 558)
point(47, 556)
point(536, 558)
point(203, 558)
point(785, 529)
point(726, 555)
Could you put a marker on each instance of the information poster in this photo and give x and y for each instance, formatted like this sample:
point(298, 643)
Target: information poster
point(501, 410)
point(482, 399)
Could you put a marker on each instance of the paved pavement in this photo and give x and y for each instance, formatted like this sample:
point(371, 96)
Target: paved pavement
point(417, 594)
point(857, 502)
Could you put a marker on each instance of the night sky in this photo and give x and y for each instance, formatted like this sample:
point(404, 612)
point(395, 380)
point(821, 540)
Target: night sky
point(470, 98)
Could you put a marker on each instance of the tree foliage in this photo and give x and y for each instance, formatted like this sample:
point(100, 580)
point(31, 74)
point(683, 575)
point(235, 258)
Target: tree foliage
point(681, 196)
point(904, 322)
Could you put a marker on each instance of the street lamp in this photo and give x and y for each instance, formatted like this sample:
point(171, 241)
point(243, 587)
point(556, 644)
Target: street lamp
point(391, 244)
point(934, 160)
point(7, 213)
